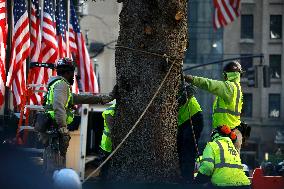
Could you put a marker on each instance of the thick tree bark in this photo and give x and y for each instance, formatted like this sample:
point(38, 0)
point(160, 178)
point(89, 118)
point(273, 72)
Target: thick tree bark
point(149, 154)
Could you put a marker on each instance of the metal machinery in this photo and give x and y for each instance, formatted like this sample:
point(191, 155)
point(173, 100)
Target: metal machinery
point(84, 144)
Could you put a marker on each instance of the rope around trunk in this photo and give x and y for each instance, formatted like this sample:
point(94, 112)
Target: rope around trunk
point(143, 113)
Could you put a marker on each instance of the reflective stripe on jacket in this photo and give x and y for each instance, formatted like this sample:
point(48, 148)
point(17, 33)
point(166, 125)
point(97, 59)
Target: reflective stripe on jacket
point(50, 100)
point(222, 162)
point(225, 113)
point(186, 111)
point(106, 143)
point(229, 98)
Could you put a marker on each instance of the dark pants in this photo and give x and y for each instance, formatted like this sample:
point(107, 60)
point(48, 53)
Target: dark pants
point(105, 168)
point(186, 146)
point(75, 123)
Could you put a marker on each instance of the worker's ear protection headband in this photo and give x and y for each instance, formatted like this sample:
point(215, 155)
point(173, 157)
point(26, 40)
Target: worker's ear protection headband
point(225, 130)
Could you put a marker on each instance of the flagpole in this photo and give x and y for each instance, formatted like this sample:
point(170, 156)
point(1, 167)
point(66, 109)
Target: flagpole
point(41, 4)
point(28, 59)
point(8, 53)
point(67, 31)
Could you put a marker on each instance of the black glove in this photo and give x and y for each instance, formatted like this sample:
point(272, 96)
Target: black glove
point(202, 179)
point(244, 129)
point(63, 144)
point(186, 92)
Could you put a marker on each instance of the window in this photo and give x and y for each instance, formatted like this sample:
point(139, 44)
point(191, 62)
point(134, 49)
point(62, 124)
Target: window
point(247, 26)
point(275, 66)
point(275, 26)
point(274, 105)
point(247, 106)
point(246, 63)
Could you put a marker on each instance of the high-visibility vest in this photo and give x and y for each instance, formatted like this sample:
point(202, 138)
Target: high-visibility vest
point(228, 169)
point(225, 113)
point(50, 100)
point(186, 111)
point(106, 143)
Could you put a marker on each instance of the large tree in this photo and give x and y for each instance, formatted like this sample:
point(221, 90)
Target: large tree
point(157, 26)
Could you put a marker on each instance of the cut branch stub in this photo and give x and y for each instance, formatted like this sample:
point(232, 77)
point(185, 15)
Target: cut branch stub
point(179, 15)
point(148, 30)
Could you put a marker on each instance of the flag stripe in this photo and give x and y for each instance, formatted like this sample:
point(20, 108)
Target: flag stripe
point(16, 79)
point(78, 48)
point(36, 74)
point(49, 43)
point(226, 11)
point(3, 28)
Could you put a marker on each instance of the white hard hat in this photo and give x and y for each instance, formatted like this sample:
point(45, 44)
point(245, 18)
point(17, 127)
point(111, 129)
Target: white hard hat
point(245, 168)
point(66, 178)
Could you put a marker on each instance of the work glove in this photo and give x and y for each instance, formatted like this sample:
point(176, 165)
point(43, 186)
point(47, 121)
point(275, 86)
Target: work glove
point(190, 90)
point(105, 99)
point(186, 92)
point(64, 138)
point(188, 78)
point(63, 144)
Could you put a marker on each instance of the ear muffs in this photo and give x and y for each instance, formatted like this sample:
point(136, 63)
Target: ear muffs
point(233, 136)
point(226, 131)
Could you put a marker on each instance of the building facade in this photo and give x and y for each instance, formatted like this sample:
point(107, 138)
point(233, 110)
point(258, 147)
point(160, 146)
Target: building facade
point(259, 30)
point(100, 25)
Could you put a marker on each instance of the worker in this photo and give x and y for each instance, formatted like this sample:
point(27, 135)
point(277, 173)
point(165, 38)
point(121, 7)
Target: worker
point(106, 143)
point(189, 117)
point(59, 101)
point(221, 165)
point(227, 106)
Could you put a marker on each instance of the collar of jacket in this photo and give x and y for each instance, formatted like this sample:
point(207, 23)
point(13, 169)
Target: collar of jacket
point(234, 76)
point(62, 78)
point(220, 138)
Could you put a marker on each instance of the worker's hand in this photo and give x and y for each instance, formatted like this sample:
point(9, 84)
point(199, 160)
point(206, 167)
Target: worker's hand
point(106, 99)
point(63, 144)
point(188, 78)
point(64, 138)
point(63, 130)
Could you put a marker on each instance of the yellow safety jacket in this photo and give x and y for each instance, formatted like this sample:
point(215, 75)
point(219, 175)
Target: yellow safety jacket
point(50, 99)
point(222, 162)
point(227, 106)
point(228, 113)
point(106, 143)
point(186, 111)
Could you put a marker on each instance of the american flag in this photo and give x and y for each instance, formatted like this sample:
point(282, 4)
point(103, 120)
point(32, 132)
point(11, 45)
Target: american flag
point(36, 73)
point(63, 36)
point(75, 87)
point(226, 11)
point(2, 50)
point(49, 43)
point(78, 48)
point(61, 28)
point(16, 79)
point(49, 48)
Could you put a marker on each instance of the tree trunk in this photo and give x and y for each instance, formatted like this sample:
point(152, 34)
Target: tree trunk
point(150, 153)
